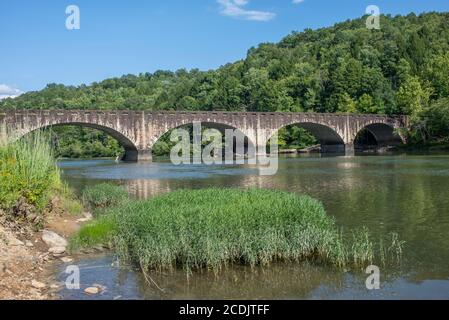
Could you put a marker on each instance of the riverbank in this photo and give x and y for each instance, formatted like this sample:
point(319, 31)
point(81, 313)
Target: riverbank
point(428, 147)
point(28, 258)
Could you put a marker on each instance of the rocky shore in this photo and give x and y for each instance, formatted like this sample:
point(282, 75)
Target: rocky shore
point(27, 258)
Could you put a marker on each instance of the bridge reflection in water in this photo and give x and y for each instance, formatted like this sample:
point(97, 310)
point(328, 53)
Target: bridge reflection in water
point(145, 189)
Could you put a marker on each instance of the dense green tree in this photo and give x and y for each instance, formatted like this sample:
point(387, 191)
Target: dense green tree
point(365, 104)
point(436, 118)
point(437, 73)
point(413, 98)
point(346, 104)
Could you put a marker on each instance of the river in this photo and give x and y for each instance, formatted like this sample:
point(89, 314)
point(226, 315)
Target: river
point(407, 194)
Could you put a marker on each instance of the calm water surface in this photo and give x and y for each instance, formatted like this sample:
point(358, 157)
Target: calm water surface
point(407, 194)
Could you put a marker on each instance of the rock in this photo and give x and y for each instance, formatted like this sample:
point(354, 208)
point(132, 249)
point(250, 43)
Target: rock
point(16, 243)
point(57, 250)
point(99, 286)
point(66, 259)
point(92, 290)
point(52, 239)
point(38, 285)
point(99, 248)
point(2, 268)
point(115, 264)
point(29, 244)
point(88, 215)
point(34, 218)
point(55, 286)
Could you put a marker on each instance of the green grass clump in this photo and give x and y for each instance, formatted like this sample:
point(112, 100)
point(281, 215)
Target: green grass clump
point(102, 196)
point(28, 171)
point(213, 228)
point(94, 233)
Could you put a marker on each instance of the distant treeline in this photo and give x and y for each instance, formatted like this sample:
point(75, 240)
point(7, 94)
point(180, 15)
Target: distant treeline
point(403, 68)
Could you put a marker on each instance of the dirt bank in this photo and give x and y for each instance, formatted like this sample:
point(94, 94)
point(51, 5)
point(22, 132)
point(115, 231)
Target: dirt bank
point(25, 261)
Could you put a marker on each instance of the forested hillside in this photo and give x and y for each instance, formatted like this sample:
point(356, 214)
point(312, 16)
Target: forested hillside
point(401, 69)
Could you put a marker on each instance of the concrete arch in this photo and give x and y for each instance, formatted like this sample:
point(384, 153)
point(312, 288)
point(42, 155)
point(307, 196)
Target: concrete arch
point(222, 127)
point(323, 133)
point(330, 139)
point(129, 146)
point(384, 134)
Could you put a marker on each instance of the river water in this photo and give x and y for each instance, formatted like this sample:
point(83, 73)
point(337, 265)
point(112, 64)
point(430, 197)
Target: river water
point(407, 194)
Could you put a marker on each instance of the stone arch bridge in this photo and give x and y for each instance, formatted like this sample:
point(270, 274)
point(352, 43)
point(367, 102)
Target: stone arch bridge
point(138, 131)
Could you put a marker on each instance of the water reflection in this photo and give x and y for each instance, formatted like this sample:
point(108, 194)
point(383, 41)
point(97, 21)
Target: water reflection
point(279, 281)
point(144, 189)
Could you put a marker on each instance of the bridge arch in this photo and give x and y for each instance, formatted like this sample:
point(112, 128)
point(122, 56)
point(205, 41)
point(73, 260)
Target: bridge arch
point(377, 135)
point(220, 126)
point(131, 151)
point(329, 138)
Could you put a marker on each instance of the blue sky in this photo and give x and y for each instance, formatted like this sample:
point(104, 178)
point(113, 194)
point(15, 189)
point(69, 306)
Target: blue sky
point(120, 37)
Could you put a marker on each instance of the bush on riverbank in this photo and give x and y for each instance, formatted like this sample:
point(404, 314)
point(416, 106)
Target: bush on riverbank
point(213, 228)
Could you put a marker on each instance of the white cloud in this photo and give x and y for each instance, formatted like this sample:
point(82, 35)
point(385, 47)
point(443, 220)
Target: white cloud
point(235, 9)
point(298, 1)
point(9, 92)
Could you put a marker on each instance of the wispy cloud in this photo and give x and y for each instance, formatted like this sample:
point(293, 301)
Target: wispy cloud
point(236, 9)
point(298, 1)
point(8, 92)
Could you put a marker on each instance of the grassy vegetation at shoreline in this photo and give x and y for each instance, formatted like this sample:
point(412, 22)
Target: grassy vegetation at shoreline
point(30, 179)
point(104, 195)
point(28, 169)
point(214, 228)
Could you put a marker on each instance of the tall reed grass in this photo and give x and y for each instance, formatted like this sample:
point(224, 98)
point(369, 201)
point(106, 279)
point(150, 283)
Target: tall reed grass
point(27, 170)
point(214, 228)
